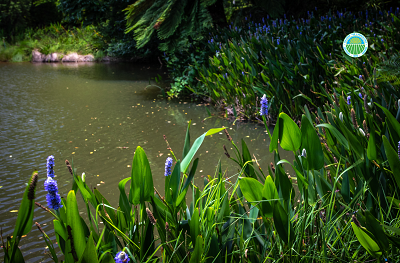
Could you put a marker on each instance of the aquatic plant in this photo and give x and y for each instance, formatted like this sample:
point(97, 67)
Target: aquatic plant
point(50, 166)
point(264, 106)
point(168, 164)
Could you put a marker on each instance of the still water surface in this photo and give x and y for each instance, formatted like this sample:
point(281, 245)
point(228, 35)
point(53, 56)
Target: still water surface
point(96, 115)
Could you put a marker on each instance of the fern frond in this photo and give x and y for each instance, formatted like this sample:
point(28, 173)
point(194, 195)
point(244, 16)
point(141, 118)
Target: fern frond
point(144, 28)
point(171, 18)
point(389, 70)
point(134, 10)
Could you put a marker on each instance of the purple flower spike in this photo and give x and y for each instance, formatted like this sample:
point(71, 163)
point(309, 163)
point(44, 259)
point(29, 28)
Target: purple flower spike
point(264, 106)
point(50, 186)
point(398, 150)
point(168, 165)
point(360, 77)
point(359, 94)
point(348, 100)
point(50, 166)
point(54, 201)
point(121, 257)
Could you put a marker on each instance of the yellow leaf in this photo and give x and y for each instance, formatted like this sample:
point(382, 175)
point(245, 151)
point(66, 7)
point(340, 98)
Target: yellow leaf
point(14, 211)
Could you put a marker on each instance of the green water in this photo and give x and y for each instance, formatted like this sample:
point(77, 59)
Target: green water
point(96, 115)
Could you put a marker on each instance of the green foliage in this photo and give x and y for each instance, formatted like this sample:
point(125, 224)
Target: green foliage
point(345, 207)
point(54, 38)
point(292, 62)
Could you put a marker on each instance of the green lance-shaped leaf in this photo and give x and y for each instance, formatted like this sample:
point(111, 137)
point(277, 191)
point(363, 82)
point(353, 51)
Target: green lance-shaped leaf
point(352, 139)
point(90, 254)
point(251, 189)
point(275, 136)
point(366, 241)
point(247, 158)
point(377, 230)
point(371, 150)
point(185, 187)
point(74, 221)
point(393, 159)
point(198, 250)
point(345, 190)
point(310, 142)
point(269, 193)
point(289, 133)
point(194, 226)
point(174, 181)
point(141, 178)
point(282, 223)
point(123, 199)
point(25, 213)
point(341, 139)
point(196, 145)
point(186, 146)
point(392, 119)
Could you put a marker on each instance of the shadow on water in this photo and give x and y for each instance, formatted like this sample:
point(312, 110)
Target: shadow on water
point(96, 115)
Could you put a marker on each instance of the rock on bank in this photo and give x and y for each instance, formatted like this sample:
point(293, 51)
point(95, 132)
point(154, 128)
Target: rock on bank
point(57, 57)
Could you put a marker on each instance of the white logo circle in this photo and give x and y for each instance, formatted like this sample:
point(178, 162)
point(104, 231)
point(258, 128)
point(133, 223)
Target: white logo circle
point(355, 45)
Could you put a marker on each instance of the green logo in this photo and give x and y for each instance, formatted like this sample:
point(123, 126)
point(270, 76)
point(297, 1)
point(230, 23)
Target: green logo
point(355, 45)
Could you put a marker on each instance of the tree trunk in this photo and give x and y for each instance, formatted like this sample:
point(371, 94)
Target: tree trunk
point(217, 13)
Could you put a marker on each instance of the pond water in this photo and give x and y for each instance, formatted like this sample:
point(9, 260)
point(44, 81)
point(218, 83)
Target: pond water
point(96, 115)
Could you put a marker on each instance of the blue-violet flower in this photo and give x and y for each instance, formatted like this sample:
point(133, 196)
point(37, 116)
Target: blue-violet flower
point(348, 100)
point(121, 257)
point(50, 186)
point(264, 106)
point(168, 164)
point(50, 166)
point(54, 201)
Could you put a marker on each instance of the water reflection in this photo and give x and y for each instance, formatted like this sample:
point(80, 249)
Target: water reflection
point(96, 115)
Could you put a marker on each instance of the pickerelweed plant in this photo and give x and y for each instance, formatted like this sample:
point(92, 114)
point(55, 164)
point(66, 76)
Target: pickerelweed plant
point(340, 205)
point(292, 61)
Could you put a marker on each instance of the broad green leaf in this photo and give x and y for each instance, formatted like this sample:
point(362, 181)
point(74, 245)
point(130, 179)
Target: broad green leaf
point(282, 223)
point(251, 189)
point(60, 229)
point(393, 159)
point(312, 144)
point(196, 145)
point(269, 193)
point(90, 253)
point(141, 178)
point(366, 241)
point(74, 221)
point(377, 230)
point(289, 133)
point(214, 254)
point(198, 250)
